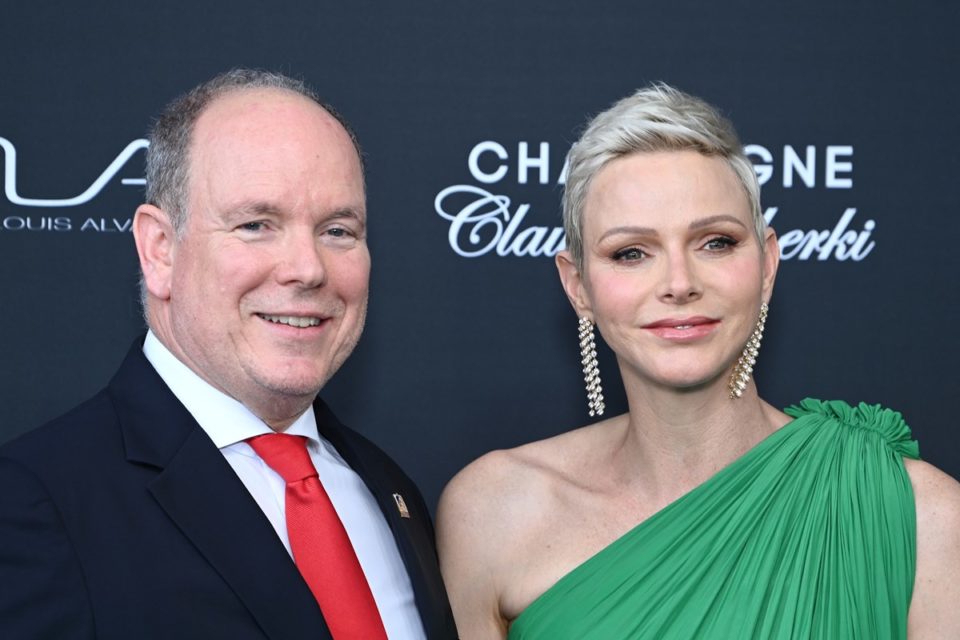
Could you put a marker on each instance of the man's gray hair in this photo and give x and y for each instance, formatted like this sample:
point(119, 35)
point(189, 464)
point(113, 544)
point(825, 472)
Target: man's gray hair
point(168, 157)
point(655, 118)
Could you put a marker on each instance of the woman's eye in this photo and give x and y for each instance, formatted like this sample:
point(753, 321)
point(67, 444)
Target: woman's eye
point(720, 243)
point(629, 254)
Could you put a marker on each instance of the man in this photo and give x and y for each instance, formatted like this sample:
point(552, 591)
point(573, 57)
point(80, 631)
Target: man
point(154, 510)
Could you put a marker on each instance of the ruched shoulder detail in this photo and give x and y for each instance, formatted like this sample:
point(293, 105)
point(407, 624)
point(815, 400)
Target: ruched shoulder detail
point(887, 423)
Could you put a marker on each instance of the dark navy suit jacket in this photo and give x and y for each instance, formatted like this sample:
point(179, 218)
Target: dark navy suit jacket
point(122, 520)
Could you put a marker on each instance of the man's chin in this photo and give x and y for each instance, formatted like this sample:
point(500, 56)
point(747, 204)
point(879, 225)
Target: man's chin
point(289, 380)
point(299, 388)
point(280, 402)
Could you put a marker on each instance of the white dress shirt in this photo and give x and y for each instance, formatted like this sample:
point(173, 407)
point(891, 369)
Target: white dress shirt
point(229, 423)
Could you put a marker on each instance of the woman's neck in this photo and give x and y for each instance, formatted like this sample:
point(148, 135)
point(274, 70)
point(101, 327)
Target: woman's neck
point(674, 440)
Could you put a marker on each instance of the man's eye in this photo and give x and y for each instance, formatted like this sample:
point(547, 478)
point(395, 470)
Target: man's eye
point(340, 232)
point(252, 226)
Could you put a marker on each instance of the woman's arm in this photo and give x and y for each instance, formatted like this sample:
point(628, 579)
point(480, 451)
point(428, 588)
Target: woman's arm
point(935, 607)
point(471, 528)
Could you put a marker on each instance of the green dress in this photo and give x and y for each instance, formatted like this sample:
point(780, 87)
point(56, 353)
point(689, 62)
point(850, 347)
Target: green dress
point(810, 534)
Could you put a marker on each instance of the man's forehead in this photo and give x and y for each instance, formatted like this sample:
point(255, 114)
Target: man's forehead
point(275, 146)
point(247, 108)
point(249, 123)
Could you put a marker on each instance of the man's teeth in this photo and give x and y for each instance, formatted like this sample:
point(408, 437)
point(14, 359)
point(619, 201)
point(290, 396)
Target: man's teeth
point(293, 321)
point(683, 326)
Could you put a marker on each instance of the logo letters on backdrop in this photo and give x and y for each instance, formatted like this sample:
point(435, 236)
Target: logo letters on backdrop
point(31, 222)
point(484, 222)
point(10, 178)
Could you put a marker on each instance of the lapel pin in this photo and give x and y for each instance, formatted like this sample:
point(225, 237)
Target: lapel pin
point(401, 505)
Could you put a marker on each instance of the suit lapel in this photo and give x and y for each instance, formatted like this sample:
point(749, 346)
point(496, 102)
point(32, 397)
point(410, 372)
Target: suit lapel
point(202, 494)
point(206, 500)
point(413, 534)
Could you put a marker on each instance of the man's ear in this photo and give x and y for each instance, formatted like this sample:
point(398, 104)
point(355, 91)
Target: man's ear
point(573, 284)
point(155, 240)
point(771, 261)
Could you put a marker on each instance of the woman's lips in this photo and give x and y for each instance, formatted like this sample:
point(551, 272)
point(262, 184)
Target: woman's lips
point(683, 329)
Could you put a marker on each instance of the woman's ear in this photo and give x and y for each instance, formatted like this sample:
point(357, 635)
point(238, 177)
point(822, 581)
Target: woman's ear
point(573, 284)
point(154, 236)
point(771, 261)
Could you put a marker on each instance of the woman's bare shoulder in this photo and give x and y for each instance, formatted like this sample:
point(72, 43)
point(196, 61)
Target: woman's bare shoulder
point(491, 518)
point(500, 501)
point(933, 610)
point(511, 485)
point(937, 494)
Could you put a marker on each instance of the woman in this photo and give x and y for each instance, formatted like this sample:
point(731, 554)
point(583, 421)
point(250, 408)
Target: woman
point(703, 512)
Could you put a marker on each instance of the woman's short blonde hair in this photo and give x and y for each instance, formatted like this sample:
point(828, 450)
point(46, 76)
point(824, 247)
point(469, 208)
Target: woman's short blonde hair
point(655, 118)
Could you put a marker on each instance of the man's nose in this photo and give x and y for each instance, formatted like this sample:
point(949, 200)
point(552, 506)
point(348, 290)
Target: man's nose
point(302, 261)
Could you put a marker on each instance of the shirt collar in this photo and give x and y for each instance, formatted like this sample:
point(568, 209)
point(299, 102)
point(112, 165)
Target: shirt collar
point(223, 418)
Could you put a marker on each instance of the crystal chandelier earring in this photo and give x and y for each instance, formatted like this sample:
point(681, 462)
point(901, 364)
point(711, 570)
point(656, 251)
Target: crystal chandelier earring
point(591, 373)
point(744, 367)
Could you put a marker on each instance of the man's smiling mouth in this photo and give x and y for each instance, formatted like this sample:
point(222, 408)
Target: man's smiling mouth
point(301, 322)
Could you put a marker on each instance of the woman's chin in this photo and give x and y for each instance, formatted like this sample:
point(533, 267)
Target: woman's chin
point(690, 382)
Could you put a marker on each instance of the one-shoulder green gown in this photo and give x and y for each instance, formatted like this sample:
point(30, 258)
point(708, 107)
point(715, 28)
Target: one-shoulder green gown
point(810, 534)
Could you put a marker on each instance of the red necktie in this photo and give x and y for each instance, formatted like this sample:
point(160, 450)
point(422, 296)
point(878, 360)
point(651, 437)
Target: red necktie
point(320, 545)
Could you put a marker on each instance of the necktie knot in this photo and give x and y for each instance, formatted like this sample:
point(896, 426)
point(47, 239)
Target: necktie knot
point(285, 454)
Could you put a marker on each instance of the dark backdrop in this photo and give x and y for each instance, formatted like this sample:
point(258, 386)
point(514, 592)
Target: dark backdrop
point(853, 103)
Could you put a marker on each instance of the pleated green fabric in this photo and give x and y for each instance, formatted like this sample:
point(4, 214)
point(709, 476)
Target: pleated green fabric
point(810, 534)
